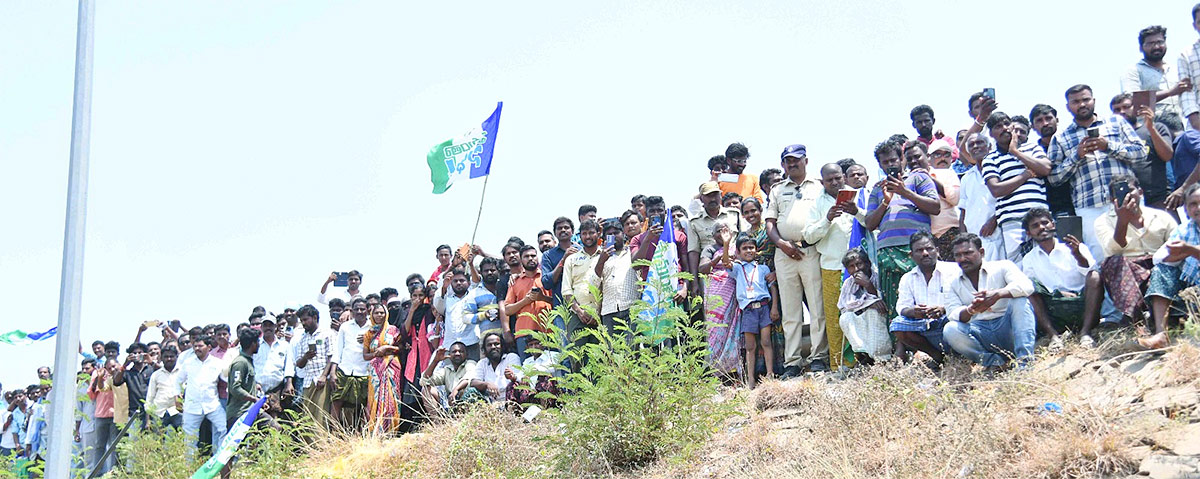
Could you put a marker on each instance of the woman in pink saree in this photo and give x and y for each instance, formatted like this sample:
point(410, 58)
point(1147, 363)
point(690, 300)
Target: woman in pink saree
point(381, 348)
point(721, 306)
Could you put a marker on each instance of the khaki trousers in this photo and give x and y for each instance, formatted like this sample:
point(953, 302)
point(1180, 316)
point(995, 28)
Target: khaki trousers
point(800, 280)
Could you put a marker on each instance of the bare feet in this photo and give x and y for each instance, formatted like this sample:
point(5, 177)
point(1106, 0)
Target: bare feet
point(1157, 341)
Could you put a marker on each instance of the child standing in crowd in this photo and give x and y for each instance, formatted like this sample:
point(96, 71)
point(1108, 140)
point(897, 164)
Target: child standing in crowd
point(757, 300)
point(862, 320)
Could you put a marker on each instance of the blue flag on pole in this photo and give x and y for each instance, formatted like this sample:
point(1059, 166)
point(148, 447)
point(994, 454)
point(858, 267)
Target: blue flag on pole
point(464, 157)
point(661, 279)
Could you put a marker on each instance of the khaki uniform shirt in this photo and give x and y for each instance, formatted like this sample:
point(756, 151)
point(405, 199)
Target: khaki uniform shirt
point(790, 205)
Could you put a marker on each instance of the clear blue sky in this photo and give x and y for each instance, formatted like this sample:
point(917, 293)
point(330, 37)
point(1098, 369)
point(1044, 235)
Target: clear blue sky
point(243, 150)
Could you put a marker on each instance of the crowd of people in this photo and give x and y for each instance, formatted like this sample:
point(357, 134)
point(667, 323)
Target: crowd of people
point(972, 244)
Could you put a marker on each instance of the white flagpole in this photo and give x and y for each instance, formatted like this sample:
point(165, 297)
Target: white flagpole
point(62, 413)
point(479, 215)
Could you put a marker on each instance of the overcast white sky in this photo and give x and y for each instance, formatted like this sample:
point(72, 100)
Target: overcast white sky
point(243, 150)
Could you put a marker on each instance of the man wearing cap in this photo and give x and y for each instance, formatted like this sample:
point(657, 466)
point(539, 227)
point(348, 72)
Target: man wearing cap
point(273, 363)
point(945, 224)
point(700, 228)
point(797, 264)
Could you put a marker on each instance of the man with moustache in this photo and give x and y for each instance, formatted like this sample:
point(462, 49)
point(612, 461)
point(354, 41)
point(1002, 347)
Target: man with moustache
point(990, 317)
point(1089, 161)
point(1066, 285)
point(1044, 120)
point(1152, 73)
point(614, 274)
point(797, 264)
point(736, 156)
point(526, 300)
point(1151, 173)
point(1014, 174)
point(576, 286)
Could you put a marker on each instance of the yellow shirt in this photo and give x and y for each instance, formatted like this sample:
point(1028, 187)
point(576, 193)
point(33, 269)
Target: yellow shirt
point(1157, 226)
point(790, 206)
point(576, 269)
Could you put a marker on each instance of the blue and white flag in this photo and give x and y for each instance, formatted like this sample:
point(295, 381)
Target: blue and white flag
point(464, 157)
point(229, 445)
point(662, 278)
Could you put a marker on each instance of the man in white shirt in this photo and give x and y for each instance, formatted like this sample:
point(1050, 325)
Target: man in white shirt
point(163, 389)
point(990, 317)
point(198, 378)
point(350, 370)
point(922, 301)
point(828, 229)
point(489, 379)
point(457, 305)
point(542, 368)
point(976, 205)
point(1065, 285)
point(273, 364)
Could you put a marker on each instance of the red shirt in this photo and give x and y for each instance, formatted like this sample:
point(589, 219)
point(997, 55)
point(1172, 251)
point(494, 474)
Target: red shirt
point(529, 317)
point(680, 249)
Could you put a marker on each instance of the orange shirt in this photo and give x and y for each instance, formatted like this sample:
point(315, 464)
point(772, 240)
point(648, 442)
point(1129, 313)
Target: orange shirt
point(746, 185)
point(529, 317)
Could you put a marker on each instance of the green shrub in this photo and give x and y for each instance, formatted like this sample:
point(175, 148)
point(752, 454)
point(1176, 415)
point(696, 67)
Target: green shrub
point(638, 395)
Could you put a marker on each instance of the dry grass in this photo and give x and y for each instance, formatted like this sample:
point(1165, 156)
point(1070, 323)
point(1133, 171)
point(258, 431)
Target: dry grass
point(484, 442)
point(893, 421)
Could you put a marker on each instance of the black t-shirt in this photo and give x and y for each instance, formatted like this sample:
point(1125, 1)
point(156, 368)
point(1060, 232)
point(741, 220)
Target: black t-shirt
point(1152, 173)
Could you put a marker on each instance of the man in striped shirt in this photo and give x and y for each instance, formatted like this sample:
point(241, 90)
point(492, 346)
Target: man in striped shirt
point(1089, 152)
point(899, 206)
point(1014, 175)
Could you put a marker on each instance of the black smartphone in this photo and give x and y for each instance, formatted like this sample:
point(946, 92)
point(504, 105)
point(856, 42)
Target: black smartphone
point(893, 171)
point(1093, 132)
point(990, 93)
point(1121, 189)
point(1069, 225)
point(342, 280)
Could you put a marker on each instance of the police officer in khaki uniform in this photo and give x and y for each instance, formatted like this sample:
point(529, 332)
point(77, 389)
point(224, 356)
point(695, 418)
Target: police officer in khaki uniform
point(797, 265)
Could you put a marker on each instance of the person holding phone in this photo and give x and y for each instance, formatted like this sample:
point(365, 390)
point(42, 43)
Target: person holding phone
point(1066, 286)
point(829, 224)
point(614, 274)
point(312, 351)
point(901, 204)
point(1014, 174)
point(353, 287)
point(1152, 173)
point(1130, 233)
point(527, 300)
point(1089, 163)
point(134, 375)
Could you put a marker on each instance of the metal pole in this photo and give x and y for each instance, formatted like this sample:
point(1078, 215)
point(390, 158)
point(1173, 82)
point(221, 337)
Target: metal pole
point(62, 404)
point(479, 215)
